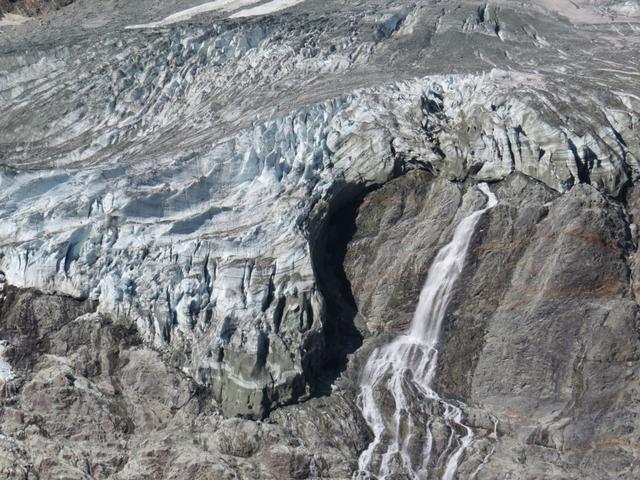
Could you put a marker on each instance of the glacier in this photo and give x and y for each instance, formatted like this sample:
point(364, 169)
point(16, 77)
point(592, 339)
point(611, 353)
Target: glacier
point(242, 199)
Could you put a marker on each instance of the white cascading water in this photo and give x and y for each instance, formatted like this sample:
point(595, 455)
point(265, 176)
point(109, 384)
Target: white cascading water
point(397, 379)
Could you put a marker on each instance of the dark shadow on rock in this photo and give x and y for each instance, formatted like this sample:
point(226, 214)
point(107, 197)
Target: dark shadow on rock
point(28, 319)
point(341, 337)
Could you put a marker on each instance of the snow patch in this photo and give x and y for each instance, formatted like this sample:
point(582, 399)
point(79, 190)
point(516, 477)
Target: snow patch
point(627, 9)
point(6, 372)
point(11, 19)
point(266, 9)
point(181, 16)
point(6, 438)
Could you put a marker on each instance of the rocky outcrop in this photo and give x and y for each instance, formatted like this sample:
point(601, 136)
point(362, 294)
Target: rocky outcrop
point(89, 400)
point(31, 7)
point(572, 287)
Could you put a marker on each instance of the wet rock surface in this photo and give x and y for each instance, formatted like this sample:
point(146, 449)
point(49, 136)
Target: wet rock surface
point(542, 334)
point(209, 225)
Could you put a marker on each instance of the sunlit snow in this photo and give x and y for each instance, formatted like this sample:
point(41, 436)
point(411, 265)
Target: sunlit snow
point(6, 372)
point(11, 19)
point(266, 8)
point(222, 6)
point(181, 16)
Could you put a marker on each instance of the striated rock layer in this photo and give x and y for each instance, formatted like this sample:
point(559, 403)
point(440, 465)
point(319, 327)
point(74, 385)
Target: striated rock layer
point(219, 212)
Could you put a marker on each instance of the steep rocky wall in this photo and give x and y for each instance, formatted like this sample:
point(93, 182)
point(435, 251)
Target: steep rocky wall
point(560, 337)
point(542, 335)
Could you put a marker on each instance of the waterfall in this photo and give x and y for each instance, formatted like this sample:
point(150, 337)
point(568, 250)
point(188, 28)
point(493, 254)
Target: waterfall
point(396, 396)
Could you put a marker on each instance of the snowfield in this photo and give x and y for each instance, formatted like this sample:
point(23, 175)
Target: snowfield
point(222, 6)
point(266, 8)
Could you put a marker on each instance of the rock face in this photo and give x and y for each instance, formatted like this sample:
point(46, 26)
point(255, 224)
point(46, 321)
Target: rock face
point(541, 336)
point(226, 215)
point(90, 401)
point(31, 7)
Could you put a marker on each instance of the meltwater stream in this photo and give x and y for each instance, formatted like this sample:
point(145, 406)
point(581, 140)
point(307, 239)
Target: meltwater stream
point(397, 400)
